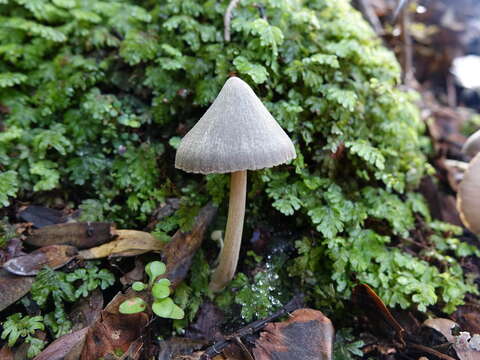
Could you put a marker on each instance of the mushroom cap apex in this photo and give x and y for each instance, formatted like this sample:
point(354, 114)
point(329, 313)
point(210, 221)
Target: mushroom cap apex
point(236, 133)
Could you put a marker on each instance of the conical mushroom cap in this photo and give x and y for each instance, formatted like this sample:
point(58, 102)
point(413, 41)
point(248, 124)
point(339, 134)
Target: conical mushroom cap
point(468, 197)
point(236, 133)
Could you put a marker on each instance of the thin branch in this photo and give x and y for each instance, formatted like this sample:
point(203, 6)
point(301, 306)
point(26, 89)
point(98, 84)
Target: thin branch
point(371, 16)
point(430, 351)
point(227, 18)
point(215, 349)
point(401, 4)
point(408, 75)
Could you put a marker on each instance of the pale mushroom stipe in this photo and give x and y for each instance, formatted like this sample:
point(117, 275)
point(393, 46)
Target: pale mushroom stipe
point(237, 133)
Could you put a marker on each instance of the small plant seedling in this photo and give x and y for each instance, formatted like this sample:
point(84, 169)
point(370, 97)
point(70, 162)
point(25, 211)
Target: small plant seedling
point(163, 305)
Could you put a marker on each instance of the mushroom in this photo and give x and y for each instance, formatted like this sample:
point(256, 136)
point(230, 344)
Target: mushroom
point(468, 197)
point(472, 145)
point(236, 134)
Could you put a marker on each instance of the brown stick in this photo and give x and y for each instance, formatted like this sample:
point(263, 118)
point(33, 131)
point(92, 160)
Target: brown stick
point(372, 18)
point(227, 18)
point(233, 233)
point(408, 76)
point(430, 351)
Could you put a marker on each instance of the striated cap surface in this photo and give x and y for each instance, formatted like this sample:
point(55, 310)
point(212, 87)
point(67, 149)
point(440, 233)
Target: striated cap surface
point(236, 133)
point(468, 197)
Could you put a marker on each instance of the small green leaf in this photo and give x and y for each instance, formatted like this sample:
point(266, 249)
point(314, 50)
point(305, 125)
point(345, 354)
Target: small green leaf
point(175, 142)
point(154, 269)
point(164, 282)
point(160, 291)
point(132, 306)
point(257, 72)
point(138, 286)
point(177, 313)
point(163, 308)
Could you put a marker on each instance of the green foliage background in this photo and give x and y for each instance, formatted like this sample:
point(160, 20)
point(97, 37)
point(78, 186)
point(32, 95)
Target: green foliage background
point(94, 96)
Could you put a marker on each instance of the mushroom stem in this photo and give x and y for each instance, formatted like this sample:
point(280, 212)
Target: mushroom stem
point(233, 233)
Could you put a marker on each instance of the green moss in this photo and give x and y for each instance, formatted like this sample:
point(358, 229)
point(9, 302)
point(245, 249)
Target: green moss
point(95, 94)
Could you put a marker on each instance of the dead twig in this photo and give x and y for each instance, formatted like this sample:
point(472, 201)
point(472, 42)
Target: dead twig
point(408, 75)
point(430, 351)
point(371, 16)
point(252, 328)
point(401, 4)
point(227, 18)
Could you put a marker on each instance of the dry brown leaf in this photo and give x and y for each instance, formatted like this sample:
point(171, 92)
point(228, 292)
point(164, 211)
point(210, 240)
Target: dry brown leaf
point(87, 310)
point(445, 326)
point(306, 335)
point(13, 287)
point(54, 256)
point(113, 331)
point(63, 346)
point(82, 235)
point(41, 216)
point(128, 243)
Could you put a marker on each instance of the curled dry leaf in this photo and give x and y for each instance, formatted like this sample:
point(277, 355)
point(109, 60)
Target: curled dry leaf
point(306, 335)
point(460, 343)
point(382, 322)
point(128, 243)
point(54, 256)
point(113, 331)
point(13, 287)
point(13, 249)
point(64, 347)
point(82, 235)
point(41, 216)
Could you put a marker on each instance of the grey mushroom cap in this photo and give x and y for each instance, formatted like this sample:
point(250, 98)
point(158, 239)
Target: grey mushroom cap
point(236, 133)
point(472, 145)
